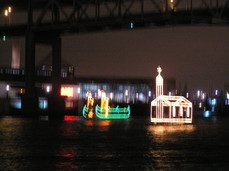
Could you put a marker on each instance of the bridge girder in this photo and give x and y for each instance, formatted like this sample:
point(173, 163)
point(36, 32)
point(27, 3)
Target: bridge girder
point(93, 15)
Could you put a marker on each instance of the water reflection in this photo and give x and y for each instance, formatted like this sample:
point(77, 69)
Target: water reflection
point(170, 129)
point(169, 133)
point(72, 118)
point(12, 146)
point(133, 144)
point(170, 144)
point(89, 123)
point(67, 155)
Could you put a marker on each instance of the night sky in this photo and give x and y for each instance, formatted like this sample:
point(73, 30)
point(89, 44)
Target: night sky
point(198, 55)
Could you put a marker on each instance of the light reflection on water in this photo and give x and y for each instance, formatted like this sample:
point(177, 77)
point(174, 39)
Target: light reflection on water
point(78, 144)
point(163, 130)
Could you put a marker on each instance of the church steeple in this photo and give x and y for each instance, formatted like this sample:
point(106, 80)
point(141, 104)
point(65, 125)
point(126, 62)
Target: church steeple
point(159, 82)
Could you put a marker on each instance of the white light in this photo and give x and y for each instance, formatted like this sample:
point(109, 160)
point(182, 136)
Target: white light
point(7, 87)
point(198, 93)
point(111, 95)
point(179, 108)
point(187, 95)
point(126, 92)
point(227, 95)
point(47, 89)
point(78, 90)
point(203, 96)
point(159, 82)
point(170, 93)
point(150, 93)
point(216, 92)
point(131, 25)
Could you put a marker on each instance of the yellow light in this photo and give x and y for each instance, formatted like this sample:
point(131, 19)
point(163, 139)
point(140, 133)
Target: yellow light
point(6, 13)
point(162, 130)
point(90, 114)
point(66, 91)
point(9, 9)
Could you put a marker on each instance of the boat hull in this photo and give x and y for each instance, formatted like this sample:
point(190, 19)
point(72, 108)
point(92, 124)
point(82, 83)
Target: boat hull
point(112, 113)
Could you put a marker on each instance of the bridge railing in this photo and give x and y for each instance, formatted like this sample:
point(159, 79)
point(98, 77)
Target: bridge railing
point(12, 71)
point(42, 73)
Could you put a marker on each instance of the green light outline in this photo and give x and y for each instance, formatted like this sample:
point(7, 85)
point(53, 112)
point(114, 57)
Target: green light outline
point(85, 111)
point(113, 113)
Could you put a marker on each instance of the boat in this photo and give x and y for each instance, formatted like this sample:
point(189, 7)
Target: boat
point(112, 113)
point(104, 111)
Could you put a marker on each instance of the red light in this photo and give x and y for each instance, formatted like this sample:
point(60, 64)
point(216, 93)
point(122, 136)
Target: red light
point(70, 118)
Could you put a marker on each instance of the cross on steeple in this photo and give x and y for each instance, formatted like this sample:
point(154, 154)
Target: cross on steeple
point(159, 70)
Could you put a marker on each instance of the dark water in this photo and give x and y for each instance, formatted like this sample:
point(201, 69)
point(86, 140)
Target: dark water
point(133, 144)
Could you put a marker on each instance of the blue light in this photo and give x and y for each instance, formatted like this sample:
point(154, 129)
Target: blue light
point(16, 103)
point(43, 103)
point(207, 114)
point(213, 102)
point(131, 25)
point(213, 109)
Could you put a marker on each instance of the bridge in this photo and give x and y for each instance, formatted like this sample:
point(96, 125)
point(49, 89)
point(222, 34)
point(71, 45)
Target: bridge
point(75, 16)
point(45, 21)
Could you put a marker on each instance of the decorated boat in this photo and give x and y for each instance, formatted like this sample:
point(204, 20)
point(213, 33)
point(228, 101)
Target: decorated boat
point(112, 113)
point(169, 109)
point(104, 111)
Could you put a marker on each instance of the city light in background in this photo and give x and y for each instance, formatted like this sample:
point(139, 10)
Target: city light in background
point(7, 14)
point(67, 91)
point(202, 101)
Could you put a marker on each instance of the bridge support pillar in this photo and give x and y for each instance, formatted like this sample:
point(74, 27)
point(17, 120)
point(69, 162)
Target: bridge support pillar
point(56, 102)
point(30, 100)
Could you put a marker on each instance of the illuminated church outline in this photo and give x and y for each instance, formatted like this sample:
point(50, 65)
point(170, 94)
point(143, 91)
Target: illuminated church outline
point(169, 109)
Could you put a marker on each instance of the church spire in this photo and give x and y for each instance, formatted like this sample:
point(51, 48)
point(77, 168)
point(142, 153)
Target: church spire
point(159, 82)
